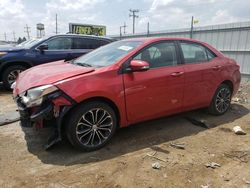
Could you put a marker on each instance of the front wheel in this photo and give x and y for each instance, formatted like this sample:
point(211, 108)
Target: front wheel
point(10, 75)
point(221, 100)
point(91, 125)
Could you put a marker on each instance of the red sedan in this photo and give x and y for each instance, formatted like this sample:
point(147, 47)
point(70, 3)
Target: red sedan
point(123, 83)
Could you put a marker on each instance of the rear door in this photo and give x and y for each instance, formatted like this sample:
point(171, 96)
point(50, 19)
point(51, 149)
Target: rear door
point(59, 48)
point(82, 45)
point(159, 90)
point(202, 74)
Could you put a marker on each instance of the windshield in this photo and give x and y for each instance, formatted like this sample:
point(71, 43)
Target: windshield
point(32, 43)
point(108, 54)
point(26, 42)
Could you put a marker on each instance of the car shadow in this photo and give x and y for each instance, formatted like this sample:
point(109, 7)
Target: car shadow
point(3, 91)
point(128, 140)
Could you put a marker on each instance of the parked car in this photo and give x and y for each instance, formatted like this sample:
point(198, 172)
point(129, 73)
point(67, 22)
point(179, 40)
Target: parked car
point(124, 83)
point(14, 60)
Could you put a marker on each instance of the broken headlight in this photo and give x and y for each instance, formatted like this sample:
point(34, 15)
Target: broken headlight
point(34, 97)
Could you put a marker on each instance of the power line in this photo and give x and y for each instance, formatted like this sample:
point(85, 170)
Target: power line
point(134, 11)
point(27, 30)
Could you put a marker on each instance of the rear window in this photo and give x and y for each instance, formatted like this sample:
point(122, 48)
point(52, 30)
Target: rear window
point(85, 43)
point(195, 53)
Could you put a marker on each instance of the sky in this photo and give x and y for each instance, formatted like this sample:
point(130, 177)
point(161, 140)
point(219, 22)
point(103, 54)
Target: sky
point(161, 14)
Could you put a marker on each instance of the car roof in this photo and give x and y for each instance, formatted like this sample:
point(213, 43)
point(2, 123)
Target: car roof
point(154, 39)
point(147, 40)
point(81, 35)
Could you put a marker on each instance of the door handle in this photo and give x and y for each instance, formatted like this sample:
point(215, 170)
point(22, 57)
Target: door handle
point(216, 67)
point(177, 73)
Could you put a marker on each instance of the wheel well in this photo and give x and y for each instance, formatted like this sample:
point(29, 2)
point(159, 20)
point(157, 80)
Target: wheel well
point(228, 83)
point(102, 99)
point(25, 64)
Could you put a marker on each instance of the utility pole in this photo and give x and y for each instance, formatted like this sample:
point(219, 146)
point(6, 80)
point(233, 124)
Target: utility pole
point(14, 36)
point(5, 36)
point(148, 29)
point(133, 11)
point(27, 30)
point(124, 29)
point(120, 32)
point(192, 27)
point(56, 25)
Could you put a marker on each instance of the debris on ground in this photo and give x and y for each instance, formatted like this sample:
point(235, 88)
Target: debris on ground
point(205, 186)
point(238, 155)
point(225, 178)
point(156, 165)
point(177, 145)
point(9, 117)
point(212, 165)
point(155, 157)
point(241, 97)
point(246, 181)
point(238, 130)
point(9, 121)
point(200, 123)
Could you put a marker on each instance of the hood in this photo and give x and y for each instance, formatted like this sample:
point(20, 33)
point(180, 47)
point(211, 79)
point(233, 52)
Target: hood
point(48, 74)
point(11, 49)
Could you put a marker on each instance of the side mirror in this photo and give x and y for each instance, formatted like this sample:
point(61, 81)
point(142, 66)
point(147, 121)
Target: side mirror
point(138, 65)
point(43, 46)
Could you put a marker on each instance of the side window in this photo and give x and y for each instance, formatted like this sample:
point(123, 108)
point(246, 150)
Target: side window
point(210, 55)
point(62, 43)
point(159, 55)
point(193, 53)
point(85, 43)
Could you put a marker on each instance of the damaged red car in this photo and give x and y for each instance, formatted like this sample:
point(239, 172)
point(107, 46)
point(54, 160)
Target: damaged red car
point(123, 83)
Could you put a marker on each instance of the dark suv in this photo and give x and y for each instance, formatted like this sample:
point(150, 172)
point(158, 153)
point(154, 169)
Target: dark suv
point(35, 52)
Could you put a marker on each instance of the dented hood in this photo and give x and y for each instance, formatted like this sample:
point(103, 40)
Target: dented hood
point(47, 74)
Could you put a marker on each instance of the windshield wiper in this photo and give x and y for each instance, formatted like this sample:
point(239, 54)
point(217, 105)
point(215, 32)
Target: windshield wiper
point(83, 64)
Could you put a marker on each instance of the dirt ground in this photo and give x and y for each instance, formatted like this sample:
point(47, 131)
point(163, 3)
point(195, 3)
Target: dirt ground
point(127, 160)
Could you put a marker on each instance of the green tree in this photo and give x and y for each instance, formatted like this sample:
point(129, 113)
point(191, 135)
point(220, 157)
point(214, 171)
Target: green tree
point(19, 40)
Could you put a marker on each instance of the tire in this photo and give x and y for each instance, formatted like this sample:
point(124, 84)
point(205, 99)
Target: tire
point(10, 75)
point(221, 100)
point(91, 125)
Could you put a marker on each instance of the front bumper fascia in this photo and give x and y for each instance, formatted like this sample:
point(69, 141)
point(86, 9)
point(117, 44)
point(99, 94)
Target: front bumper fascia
point(53, 109)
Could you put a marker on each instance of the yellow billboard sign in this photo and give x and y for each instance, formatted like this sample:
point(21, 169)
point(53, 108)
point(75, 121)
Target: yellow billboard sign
point(97, 30)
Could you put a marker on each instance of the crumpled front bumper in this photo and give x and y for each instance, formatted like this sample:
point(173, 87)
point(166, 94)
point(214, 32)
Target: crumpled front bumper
point(31, 116)
point(52, 111)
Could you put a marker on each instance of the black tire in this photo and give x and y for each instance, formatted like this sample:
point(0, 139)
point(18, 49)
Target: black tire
point(221, 100)
point(94, 139)
point(15, 69)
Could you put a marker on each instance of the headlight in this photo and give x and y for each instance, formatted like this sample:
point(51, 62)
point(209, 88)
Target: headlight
point(2, 53)
point(13, 85)
point(34, 97)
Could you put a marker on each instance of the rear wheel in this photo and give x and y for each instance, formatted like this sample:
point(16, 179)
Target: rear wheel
point(10, 75)
point(91, 125)
point(221, 100)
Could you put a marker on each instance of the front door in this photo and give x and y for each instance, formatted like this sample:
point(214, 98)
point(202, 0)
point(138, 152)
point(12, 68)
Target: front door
point(159, 90)
point(59, 48)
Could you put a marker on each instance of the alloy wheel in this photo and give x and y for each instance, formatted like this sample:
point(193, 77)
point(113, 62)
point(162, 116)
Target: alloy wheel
point(94, 127)
point(223, 99)
point(13, 76)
